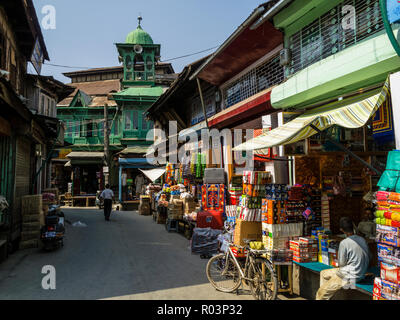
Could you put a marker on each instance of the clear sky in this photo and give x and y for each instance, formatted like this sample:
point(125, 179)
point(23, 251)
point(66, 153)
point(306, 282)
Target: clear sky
point(86, 30)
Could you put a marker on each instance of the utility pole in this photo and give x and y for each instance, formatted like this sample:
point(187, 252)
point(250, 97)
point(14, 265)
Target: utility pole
point(106, 144)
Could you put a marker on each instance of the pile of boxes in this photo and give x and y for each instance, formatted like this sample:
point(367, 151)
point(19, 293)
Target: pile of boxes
point(246, 230)
point(273, 211)
point(278, 236)
point(387, 287)
point(175, 209)
point(305, 249)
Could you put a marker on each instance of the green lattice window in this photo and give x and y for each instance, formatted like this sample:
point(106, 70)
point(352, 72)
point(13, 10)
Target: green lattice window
point(334, 31)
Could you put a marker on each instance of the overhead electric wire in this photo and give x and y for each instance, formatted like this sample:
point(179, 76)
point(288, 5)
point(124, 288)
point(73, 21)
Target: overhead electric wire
point(167, 60)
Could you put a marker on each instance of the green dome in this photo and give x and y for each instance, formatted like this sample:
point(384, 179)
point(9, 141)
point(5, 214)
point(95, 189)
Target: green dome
point(139, 36)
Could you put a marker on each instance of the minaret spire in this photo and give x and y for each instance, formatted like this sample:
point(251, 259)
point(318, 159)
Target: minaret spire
point(140, 20)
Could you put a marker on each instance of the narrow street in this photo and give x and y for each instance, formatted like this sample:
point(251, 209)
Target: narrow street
point(130, 257)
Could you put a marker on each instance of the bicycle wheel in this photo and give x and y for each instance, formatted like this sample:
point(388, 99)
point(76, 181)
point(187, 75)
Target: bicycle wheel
point(223, 273)
point(265, 283)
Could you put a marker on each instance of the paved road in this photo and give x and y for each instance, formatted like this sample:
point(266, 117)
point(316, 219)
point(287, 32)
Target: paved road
point(130, 257)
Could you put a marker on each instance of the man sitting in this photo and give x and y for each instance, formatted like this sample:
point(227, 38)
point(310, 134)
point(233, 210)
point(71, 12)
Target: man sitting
point(353, 258)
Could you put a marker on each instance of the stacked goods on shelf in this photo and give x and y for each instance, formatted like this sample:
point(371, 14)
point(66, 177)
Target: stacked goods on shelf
point(325, 216)
point(33, 218)
point(388, 244)
point(278, 236)
point(276, 192)
point(273, 211)
point(316, 205)
point(169, 173)
point(235, 190)
point(235, 193)
point(144, 206)
point(253, 192)
point(305, 249)
point(327, 186)
point(175, 209)
point(323, 253)
point(198, 165)
point(324, 250)
point(295, 204)
point(231, 213)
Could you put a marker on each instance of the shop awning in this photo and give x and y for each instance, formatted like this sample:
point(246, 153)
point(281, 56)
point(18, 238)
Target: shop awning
point(154, 174)
point(78, 158)
point(138, 163)
point(75, 155)
point(350, 113)
point(134, 150)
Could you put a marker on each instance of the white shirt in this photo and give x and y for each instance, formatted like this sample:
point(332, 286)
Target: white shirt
point(107, 194)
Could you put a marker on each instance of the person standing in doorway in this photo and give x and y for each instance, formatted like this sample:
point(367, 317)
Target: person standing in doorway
point(108, 196)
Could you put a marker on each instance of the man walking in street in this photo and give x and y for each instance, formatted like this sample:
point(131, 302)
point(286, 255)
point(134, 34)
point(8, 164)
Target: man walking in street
point(108, 196)
point(353, 256)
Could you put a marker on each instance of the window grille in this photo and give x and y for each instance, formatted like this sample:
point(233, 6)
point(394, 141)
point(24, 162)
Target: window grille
point(260, 78)
point(334, 32)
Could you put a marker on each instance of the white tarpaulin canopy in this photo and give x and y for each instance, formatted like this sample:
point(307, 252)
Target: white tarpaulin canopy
point(153, 174)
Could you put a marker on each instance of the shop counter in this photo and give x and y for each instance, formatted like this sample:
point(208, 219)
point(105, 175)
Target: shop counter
point(306, 278)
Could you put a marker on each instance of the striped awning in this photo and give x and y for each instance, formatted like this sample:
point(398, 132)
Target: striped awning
point(350, 113)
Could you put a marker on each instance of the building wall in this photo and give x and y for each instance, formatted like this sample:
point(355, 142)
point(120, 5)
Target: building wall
point(11, 59)
point(362, 64)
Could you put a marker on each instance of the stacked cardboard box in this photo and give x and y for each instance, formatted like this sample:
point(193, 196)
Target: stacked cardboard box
point(189, 205)
point(277, 236)
point(273, 211)
point(144, 206)
point(33, 218)
point(305, 249)
point(175, 209)
point(247, 230)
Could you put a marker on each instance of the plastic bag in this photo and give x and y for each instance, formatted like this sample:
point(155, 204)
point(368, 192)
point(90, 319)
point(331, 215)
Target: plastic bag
point(79, 224)
point(205, 240)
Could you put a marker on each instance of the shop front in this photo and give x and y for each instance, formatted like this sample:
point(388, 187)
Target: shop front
point(131, 180)
point(337, 153)
point(86, 173)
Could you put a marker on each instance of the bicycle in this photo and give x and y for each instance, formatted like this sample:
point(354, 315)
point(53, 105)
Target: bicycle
point(258, 273)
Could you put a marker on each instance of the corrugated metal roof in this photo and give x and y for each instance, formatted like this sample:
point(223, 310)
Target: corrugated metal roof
point(140, 92)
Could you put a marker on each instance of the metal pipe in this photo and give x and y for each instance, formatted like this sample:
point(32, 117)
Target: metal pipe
point(350, 153)
point(388, 28)
point(202, 101)
point(271, 12)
